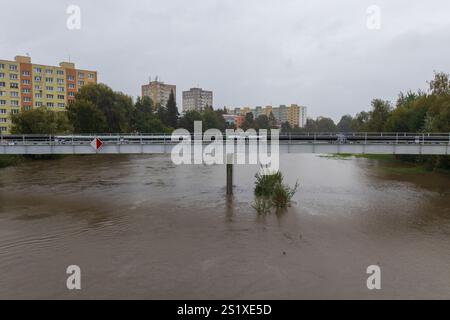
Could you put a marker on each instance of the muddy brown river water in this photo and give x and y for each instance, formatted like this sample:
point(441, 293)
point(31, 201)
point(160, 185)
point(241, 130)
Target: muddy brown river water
point(141, 227)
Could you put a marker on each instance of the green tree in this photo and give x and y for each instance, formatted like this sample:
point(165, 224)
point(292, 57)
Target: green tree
point(345, 124)
point(86, 117)
point(187, 120)
point(41, 121)
point(171, 114)
point(116, 107)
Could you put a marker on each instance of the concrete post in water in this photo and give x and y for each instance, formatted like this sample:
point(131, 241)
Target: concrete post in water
point(229, 174)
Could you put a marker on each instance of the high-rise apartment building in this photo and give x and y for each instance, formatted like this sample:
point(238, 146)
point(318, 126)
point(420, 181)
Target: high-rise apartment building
point(297, 116)
point(25, 85)
point(197, 99)
point(159, 92)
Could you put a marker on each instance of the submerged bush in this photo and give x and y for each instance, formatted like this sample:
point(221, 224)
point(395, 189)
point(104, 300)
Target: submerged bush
point(270, 191)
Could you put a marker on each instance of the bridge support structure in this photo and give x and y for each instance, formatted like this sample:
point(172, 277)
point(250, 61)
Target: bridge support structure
point(229, 172)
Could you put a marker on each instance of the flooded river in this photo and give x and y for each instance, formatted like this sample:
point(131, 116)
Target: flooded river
point(141, 227)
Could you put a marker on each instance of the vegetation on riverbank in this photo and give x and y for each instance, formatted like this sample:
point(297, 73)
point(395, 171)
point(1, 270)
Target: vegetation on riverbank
point(271, 192)
point(392, 163)
point(9, 160)
point(420, 111)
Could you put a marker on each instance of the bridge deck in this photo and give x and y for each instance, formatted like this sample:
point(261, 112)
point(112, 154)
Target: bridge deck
point(323, 143)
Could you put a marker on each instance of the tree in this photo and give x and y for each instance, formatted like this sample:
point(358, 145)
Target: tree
point(325, 125)
point(345, 124)
point(379, 115)
point(440, 85)
point(248, 121)
point(116, 107)
point(171, 114)
point(86, 117)
point(262, 122)
point(187, 120)
point(41, 121)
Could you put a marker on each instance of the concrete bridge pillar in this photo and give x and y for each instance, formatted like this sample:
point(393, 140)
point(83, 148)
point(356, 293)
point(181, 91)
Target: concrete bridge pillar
point(229, 174)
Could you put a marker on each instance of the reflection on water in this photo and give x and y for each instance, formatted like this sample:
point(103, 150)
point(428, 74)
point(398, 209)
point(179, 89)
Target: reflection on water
point(141, 227)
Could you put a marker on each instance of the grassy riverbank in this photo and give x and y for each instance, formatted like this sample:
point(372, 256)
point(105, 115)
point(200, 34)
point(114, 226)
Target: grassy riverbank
point(391, 163)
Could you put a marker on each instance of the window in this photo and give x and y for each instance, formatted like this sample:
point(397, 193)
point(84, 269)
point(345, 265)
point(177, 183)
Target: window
point(61, 105)
point(3, 120)
point(71, 86)
point(26, 73)
point(37, 88)
point(80, 75)
point(12, 67)
point(70, 78)
point(2, 75)
point(37, 79)
point(14, 85)
point(49, 96)
point(37, 70)
point(49, 71)
point(3, 128)
point(91, 76)
point(38, 104)
point(60, 72)
point(38, 95)
point(13, 76)
point(2, 84)
point(15, 103)
point(71, 94)
point(27, 108)
point(2, 103)
point(50, 104)
point(26, 81)
point(2, 93)
point(26, 90)
point(61, 89)
point(60, 81)
point(49, 88)
point(50, 80)
point(27, 99)
point(60, 96)
point(14, 94)
point(14, 111)
point(81, 83)
point(2, 66)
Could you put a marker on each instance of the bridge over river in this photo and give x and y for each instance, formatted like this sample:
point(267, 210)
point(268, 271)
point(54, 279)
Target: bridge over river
point(322, 143)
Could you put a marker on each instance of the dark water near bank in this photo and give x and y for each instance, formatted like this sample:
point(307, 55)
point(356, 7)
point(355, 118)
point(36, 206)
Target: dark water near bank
point(140, 227)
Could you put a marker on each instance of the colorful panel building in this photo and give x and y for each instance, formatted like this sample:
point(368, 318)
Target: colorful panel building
point(24, 86)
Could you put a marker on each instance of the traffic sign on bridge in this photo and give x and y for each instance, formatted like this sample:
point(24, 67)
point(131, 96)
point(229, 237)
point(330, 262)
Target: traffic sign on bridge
point(97, 144)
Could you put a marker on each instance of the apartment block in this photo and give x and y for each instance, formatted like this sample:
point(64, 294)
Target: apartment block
point(197, 99)
point(25, 86)
point(295, 114)
point(159, 92)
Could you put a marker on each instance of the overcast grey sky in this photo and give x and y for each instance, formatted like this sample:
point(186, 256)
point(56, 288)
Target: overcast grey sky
point(249, 52)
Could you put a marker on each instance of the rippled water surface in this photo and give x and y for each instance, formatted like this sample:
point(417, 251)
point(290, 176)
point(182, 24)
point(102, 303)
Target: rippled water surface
point(141, 227)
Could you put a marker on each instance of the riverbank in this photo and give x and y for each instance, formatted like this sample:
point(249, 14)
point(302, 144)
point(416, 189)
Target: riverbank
point(9, 160)
point(390, 163)
point(13, 160)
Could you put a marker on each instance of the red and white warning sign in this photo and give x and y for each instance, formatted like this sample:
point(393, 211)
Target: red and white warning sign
point(97, 144)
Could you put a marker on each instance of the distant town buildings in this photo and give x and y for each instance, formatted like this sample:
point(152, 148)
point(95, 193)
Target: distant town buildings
point(197, 99)
point(295, 114)
point(25, 86)
point(158, 91)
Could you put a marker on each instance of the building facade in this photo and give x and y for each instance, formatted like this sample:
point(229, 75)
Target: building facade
point(197, 99)
point(295, 114)
point(25, 86)
point(159, 92)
